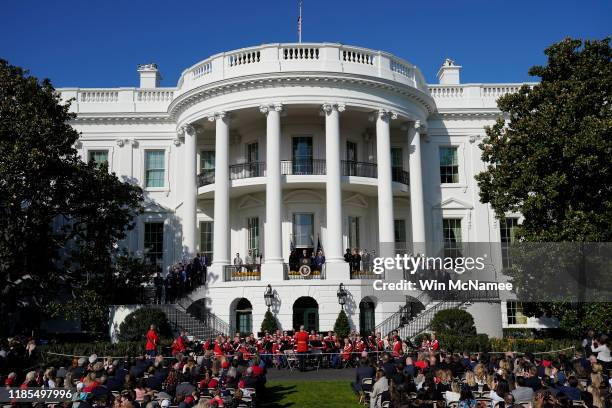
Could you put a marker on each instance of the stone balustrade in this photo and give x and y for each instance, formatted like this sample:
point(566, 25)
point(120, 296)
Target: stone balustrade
point(269, 59)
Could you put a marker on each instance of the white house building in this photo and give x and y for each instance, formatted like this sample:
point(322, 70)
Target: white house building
point(281, 146)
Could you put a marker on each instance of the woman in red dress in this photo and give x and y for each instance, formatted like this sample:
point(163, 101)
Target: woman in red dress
point(152, 341)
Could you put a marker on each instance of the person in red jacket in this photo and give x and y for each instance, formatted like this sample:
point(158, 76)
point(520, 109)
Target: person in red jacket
point(178, 346)
point(301, 341)
point(434, 343)
point(152, 341)
point(347, 350)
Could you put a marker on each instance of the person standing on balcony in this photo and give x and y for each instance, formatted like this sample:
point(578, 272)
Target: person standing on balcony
point(319, 261)
point(249, 262)
point(347, 255)
point(152, 341)
point(355, 261)
point(365, 260)
point(238, 262)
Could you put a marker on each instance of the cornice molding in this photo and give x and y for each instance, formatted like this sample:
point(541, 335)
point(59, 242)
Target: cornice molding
point(224, 87)
point(122, 118)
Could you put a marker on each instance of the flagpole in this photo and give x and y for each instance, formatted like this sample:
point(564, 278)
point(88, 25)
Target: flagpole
point(300, 21)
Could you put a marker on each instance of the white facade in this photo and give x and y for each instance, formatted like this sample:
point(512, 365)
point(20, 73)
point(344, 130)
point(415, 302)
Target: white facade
point(321, 131)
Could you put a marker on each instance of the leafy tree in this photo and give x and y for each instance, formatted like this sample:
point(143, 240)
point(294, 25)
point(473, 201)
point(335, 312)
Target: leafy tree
point(137, 323)
point(550, 161)
point(61, 220)
point(342, 326)
point(269, 323)
point(455, 322)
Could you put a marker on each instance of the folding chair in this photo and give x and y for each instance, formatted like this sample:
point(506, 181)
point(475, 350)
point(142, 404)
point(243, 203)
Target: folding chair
point(368, 383)
point(315, 357)
point(292, 360)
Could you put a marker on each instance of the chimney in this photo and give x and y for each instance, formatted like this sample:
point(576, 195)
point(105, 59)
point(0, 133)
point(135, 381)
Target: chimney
point(448, 74)
point(149, 75)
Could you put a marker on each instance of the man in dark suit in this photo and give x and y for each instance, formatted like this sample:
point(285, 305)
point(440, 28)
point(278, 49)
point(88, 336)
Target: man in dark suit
point(363, 371)
point(197, 270)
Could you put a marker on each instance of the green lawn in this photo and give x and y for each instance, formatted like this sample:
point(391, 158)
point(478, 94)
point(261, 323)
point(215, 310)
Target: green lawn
point(309, 394)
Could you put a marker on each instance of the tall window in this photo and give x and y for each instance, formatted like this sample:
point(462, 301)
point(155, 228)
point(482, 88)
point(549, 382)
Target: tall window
point(154, 168)
point(253, 235)
point(252, 152)
point(451, 230)
point(507, 228)
point(399, 234)
point(98, 156)
point(515, 313)
point(449, 165)
point(353, 232)
point(206, 239)
point(207, 160)
point(303, 230)
point(351, 151)
point(154, 242)
point(302, 155)
point(397, 157)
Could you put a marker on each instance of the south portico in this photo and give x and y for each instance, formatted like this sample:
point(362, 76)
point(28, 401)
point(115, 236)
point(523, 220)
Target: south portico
point(332, 178)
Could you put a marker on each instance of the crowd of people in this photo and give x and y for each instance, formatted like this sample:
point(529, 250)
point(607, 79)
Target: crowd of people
point(181, 279)
point(389, 372)
point(360, 259)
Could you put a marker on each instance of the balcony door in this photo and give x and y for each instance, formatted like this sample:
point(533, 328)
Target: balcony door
point(351, 158)
point(302, 155)
point(303, 230)
point(252, 156)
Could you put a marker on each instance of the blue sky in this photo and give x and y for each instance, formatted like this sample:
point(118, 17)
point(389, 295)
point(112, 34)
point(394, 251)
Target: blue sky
point(98, 44)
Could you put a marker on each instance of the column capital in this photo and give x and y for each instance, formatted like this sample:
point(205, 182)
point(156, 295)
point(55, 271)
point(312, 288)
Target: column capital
point(268, 107)
point(383, 114)
point(328, 107)
point(420, 126)
point(186, 129)
point(213, 116)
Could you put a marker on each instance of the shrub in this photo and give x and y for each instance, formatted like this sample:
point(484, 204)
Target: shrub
point(342, 327)
point(269, 323)
point(136, 324)
point(458, 344)
point(453, 321)
point(532, 345)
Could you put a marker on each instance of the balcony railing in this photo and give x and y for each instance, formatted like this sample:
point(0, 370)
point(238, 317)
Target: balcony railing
point(304, 167)
point(247, 170)
point(206, 177)
point(359, 169)
point(400, 175)
point(367, 275)
point(241, 273)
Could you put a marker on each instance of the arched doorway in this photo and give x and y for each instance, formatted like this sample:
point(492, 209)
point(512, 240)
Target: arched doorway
point(306, 312)
point(243, 316)
point(367, 322)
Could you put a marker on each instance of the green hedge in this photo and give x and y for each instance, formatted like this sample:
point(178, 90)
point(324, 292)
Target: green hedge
point(457, 322)
point(459, 344)
point(102, 349)
point(532, 345)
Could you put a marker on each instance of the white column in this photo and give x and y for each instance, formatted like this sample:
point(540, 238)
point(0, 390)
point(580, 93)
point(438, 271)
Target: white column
point(273, 247)
point(417, 207)
point(221, 255)
point(385, 183)
point(333, 246)
point(191, 190)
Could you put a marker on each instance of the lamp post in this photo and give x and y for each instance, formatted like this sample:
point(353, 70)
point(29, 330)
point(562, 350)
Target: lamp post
point(269, 296)
point(342, 295)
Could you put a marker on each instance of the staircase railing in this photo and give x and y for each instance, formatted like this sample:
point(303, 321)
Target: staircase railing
point(410, 326)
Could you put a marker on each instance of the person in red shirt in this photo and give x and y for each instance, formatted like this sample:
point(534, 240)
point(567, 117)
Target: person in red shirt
point(434, 344)
point(397, 346)
point(152, 341)
point(347, 350)
point(178, 346)
point(301, 341)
